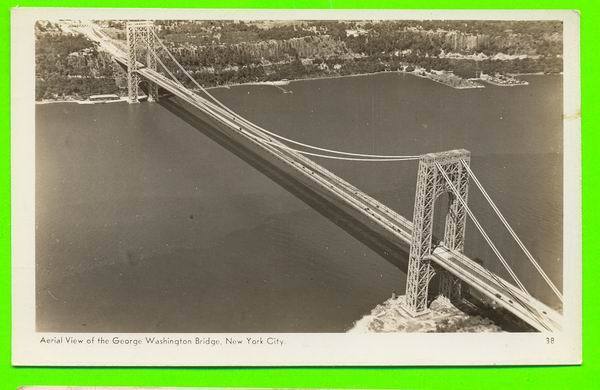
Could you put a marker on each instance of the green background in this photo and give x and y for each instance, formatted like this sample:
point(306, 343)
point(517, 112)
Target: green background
point(585, 376)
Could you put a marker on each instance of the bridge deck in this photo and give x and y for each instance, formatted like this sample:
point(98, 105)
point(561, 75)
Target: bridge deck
point(373, 215)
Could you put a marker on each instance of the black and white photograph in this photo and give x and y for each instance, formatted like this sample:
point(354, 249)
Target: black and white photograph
point(234, 182)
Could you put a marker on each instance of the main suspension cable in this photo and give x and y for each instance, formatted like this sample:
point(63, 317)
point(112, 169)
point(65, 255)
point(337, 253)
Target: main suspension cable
point(279, 145)
point(212, 97)
point(303, 152)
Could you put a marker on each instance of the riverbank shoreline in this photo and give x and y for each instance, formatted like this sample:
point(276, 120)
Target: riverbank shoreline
point(417, 73)
point(121, 99)
point(282, 83)
point(288, 82)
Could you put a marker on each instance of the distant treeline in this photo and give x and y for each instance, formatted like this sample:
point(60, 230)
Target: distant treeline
point(335, 66)
point(225, 52)
point(425, 37)
point(385, 45)
point(69, 65)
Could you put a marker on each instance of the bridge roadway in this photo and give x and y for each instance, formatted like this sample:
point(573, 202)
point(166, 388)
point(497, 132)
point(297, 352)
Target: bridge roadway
point(366, 211)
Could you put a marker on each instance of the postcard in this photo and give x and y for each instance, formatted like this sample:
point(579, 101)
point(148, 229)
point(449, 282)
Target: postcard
point(203, 187)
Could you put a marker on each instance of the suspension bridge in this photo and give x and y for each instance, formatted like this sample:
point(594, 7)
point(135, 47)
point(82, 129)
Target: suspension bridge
point(151, 65)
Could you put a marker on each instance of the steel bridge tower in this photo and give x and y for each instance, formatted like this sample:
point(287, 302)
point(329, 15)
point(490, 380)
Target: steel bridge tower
point(141, 42)
point(430, 185)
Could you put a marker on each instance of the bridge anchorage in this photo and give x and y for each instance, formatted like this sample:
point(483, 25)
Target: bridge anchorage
point(438, 173)
point(141, 42)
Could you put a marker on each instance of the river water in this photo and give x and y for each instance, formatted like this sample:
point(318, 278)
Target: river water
point(145, 224)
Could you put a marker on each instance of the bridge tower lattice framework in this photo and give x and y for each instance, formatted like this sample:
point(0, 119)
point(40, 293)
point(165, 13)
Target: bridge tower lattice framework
point(430, 185)
point(141, 42)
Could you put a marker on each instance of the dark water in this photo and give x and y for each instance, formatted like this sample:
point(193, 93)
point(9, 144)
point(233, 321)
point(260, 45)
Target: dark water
point(145, 224)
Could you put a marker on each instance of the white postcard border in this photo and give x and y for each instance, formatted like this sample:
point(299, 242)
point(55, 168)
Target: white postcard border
point(299, 349)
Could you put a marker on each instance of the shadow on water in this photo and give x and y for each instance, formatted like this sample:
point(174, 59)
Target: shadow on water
point(392, 253)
